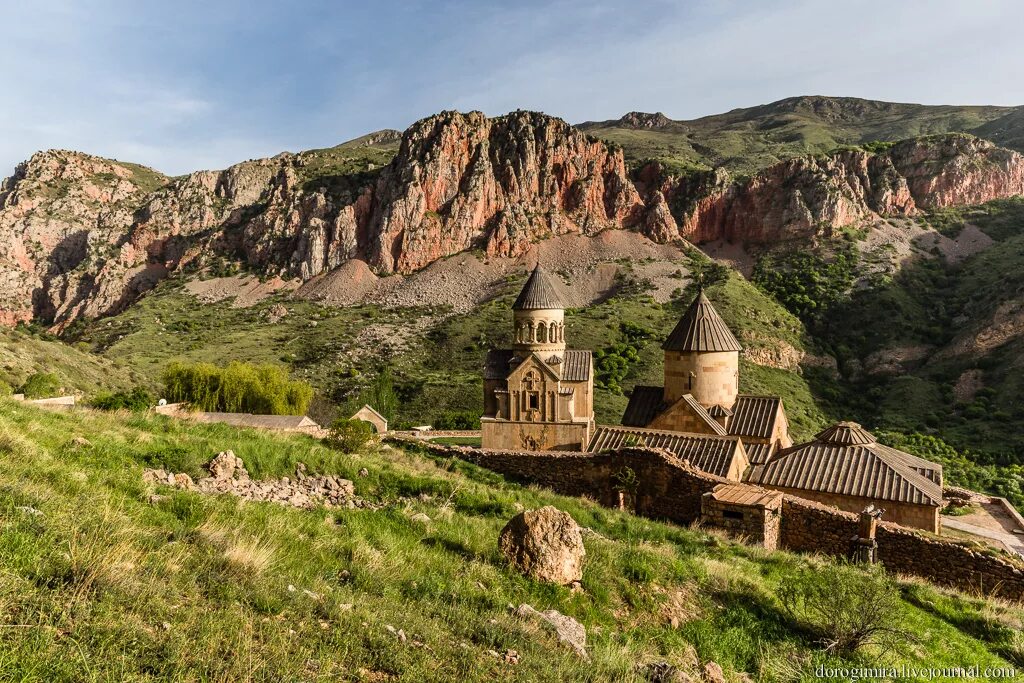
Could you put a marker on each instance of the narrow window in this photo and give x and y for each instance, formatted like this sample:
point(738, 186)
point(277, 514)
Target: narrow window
point(534, 401)
point(542, 333)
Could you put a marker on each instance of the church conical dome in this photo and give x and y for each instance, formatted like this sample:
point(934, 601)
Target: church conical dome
point(541, 291)
point(701, 329)
point(845, 434)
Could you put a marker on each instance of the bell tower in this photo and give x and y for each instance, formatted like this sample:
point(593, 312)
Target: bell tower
point(538, 316)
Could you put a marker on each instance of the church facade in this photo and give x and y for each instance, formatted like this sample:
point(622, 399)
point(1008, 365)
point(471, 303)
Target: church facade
point(538, 395)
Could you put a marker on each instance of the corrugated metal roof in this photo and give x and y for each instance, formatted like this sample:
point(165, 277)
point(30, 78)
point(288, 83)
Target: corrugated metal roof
point(701, 329)
point(712, 454)
point(742, 494)
point(867, 470)
point(541, 290)
point(576, 365)
point(645, 403)
point(754, 416)
point(718, 410)
point(759, 453)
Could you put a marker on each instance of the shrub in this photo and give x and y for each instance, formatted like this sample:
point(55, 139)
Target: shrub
point(138, 399)
point(5, 388)
point(41, 385)
point(237, 388)
point(464, 419)
point(348, 436)
point(850, 607)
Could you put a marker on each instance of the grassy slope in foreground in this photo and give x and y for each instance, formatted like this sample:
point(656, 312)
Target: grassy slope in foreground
point(104, 585)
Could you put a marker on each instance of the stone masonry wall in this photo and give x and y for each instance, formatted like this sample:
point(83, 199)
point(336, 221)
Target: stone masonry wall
point(662, 486)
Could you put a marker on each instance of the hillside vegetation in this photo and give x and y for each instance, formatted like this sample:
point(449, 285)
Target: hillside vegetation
point(101, 580)
point(746, 140)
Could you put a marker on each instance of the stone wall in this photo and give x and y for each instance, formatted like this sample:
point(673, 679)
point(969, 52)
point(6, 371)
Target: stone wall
point(759, 525)
point(657, 484)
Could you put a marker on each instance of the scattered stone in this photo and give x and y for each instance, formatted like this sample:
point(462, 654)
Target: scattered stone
point(226, 465)
point(570, 632)
point(166, 626)
point(228, 475)
point(276, 312)
point(713, 673)
point(511, 657)
point(363, 472)
point(80, 442)
point(29, 510)
point(311, 595)
point(663, 672)
point(156, 499)
point(544, 544)
point(420, 518)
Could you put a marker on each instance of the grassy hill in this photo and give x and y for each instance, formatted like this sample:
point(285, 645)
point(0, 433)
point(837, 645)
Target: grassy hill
point(99, 581)
point(746, 140)
point(24, 353)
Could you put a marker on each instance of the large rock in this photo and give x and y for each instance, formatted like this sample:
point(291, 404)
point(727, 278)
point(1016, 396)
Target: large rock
point(226, 465)
point(544, 544)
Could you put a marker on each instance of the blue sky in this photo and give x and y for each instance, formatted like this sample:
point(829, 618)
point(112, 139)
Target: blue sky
point(186, 85)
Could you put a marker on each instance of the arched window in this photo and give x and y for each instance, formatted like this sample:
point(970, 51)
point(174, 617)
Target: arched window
point(542, 333)
point(553, 332)
point(529, 332)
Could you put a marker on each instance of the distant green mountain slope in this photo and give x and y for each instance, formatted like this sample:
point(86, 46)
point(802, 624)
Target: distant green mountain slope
point(746, 140)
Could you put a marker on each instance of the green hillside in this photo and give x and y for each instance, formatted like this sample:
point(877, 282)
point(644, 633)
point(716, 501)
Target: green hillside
point(102, 582)
point(746, 140)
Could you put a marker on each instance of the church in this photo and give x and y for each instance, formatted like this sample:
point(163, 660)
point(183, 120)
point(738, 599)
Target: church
point(539, 396)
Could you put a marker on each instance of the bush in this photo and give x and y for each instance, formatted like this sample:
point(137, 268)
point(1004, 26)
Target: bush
point(41, 385)
point(465, 419)
point(136, 400)
point(850, 607)
point(348, 436)
point(237, 388)
point(5, 388)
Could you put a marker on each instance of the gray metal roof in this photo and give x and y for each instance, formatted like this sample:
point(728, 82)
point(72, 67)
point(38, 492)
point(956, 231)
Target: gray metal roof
point(759, 453)
point(711, 454)
point(701, 329)
point(645, 403)
point(542, 290)
point(867, 470)
point(754, 416)
point(576, 365)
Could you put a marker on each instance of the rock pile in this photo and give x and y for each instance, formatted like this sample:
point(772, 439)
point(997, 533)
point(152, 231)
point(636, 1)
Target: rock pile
point(228, 475)
point(544, 544)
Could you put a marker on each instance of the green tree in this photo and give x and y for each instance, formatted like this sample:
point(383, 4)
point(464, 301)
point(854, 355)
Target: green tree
point(348, 436)
point(238, 388)
point(41, 385)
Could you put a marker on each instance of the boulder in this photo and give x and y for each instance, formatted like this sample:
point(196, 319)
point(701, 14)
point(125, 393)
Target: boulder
point(544, 544)
point(569, 631)
point(226, 465)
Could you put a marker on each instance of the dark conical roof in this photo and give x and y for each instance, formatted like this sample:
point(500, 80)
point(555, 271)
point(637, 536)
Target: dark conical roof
point(845, 434)
point(701, 329)
point(541, 290)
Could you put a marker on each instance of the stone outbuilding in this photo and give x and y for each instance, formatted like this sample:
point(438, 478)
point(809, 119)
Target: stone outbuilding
point(368, 414)
point(538, 395)
point(845, 466)
point(744, 511)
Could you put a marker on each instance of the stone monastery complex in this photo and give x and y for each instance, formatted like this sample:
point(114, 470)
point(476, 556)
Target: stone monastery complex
point(539, 396)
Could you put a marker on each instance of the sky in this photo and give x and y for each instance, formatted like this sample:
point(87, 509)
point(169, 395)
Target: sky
point(184, 85)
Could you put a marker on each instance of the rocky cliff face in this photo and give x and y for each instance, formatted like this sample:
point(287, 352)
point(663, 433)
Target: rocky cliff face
point(814, 196)
point(82, 236)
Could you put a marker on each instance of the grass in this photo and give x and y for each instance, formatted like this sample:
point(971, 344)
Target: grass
point(745, 141)
point(105, 584)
